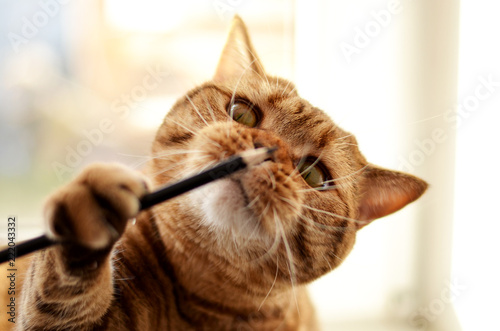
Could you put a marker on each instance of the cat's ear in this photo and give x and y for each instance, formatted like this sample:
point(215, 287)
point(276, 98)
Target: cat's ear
point(238, 56)
point(386, 191)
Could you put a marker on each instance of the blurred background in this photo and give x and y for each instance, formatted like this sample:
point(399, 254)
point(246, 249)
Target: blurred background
point(417, 82)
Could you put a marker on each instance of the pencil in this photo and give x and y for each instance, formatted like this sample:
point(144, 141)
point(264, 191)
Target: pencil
point(238, 162)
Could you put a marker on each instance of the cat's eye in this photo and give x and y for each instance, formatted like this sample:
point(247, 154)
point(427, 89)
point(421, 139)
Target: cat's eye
point(244, 113)
point(314, 173)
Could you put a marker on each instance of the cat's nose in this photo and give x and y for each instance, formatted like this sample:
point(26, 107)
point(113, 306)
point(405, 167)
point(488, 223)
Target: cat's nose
point(280, 154)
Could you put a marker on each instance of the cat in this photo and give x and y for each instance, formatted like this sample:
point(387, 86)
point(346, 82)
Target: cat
point(235, 254)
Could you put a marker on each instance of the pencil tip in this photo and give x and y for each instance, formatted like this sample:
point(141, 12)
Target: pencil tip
point(271, 150)
point(259, 155)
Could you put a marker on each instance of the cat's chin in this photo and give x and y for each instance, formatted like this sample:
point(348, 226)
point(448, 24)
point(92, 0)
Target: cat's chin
point(223, 207)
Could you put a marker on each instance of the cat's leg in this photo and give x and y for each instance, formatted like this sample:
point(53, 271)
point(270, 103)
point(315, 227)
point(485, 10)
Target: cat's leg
point(70, 285)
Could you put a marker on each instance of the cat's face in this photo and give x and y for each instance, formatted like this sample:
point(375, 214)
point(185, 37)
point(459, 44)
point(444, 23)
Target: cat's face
point(303, 206)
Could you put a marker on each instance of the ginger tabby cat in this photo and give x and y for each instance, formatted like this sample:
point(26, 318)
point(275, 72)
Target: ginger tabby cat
point(235, 254)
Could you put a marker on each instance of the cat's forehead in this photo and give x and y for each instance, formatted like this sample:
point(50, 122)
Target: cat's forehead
point(289, 115)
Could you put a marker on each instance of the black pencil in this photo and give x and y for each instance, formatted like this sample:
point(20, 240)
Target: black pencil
point(245, 159)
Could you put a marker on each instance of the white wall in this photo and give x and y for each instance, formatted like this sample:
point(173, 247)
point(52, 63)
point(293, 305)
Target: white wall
point(387, 71)
point(477, 221)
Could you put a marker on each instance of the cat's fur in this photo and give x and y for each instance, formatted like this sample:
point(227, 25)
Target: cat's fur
point(233, 255)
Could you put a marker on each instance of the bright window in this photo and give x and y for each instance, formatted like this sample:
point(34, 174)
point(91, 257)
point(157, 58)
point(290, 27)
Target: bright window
point(397, 73)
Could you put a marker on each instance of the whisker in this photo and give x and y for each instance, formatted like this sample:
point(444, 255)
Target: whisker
point(320, 188)
point(178, 164)
point(332, 214)
point(335, 256)
point(427, 119)
point(310, 167)
point(250, 237)
point(346, 176)
point(163, 156)
point(272, 286)
point(253, 202)
point(233, 95)
point(294, 204)
point(256, 224)
point(196, 109)
point(284, 90)
point(137, 156)
point(256, 228)
point(259, 64)
point(294, 88)
point(210, 109)
point(344, 137)
point(123, 279)
point(276, 241)
point(296, 169)
point(181, 125)
point(346, 144)
point(147, 158)
point(266, 208)
point(211, 141)
point(270, 250)
point(291, 264)
point(271, 177)
point(318, 227)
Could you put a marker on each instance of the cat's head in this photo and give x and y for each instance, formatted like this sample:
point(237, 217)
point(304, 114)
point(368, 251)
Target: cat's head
point(305, 205)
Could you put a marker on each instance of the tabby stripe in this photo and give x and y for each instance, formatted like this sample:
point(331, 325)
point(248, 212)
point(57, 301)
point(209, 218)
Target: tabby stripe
point(52, 309)
point(302, 121)
point(65, 314)
point(150, 231)
point(103, 323)
point(275, 99)
point(195, 92)
point(318, 122)
point(128, 313)
point(184, 137)
point(300, 109)
point(303, 248)
point(61, 226)
point(324, 138)
point(180, 138)
point(68, 290)
point(221, 264)
point(339, 235)
point(146, 268)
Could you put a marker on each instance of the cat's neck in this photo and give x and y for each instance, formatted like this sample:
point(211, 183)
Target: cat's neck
point(207, 287)
point(211, 275)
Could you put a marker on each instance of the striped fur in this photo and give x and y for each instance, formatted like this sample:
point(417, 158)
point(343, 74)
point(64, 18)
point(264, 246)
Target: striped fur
point(233, 255)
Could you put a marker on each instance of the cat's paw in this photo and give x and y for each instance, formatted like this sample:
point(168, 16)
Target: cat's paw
point(94, 208)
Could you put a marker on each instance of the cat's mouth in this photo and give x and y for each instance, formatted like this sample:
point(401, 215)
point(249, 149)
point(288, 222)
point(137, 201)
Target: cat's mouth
point(248, 206)
point(244, 195)
point(226, 206)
